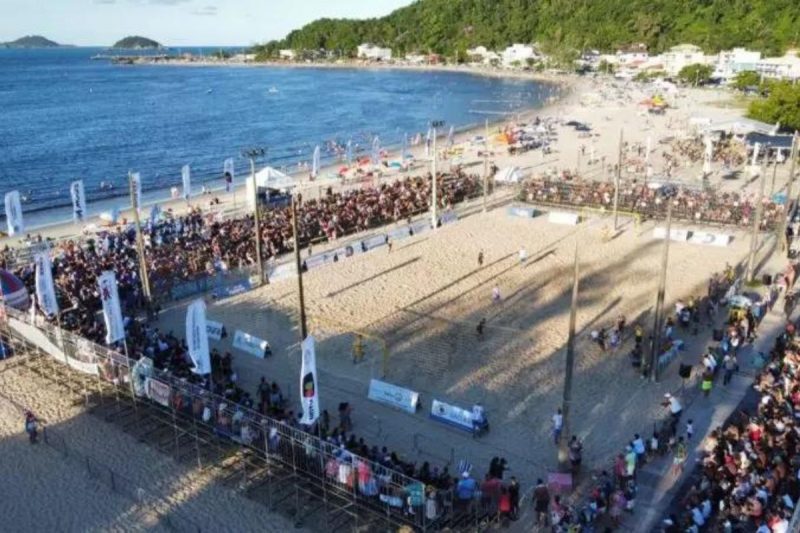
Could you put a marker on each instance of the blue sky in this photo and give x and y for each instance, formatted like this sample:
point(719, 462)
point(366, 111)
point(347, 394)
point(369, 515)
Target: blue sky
point(174, 22)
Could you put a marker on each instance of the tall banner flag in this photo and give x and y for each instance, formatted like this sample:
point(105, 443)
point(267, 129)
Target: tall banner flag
point(315, 163)
point(78, 195)
point(14, 213)
point(349, 152)
point(136, 178)
point(112, 313)
point(451, 136)
point(376, 151)
point(428, 143)
point(308, 383)
point(155, 214)
point(45, 288)
point(186, 175)
point(197, 337)
point(404, 152)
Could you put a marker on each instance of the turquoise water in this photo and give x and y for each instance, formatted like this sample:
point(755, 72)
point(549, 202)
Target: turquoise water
point(66, 117)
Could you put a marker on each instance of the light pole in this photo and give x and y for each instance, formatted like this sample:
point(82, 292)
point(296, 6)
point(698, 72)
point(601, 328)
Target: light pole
point(251, 154)
point(485, 164)
point(662, 285)
point(751, 258)
point(563, 440)
point(617, 177)
point(301, 303)
point(434, 192)
point(789, 185)
point(133, 184)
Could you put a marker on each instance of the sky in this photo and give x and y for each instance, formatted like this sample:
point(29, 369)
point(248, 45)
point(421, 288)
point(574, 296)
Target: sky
point(175, 22)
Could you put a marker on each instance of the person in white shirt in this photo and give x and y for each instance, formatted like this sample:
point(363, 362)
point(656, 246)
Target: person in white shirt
point(558, 424)
point(697, 517)
point(638, 447)
point(523, 254)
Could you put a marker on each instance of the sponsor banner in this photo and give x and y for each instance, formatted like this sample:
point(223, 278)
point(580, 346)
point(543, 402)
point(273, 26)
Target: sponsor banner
point(78, 195)
point(675, 234)
point(451, 414)
point(522, 212)
point(136, 178)
point(83, 358)
point(197, 337)
point(251, 344)
point(112, 313)
point(186, 178)
point(309, 389)
point(14, 213)
point(45, 288)
point(421, 226)
point(233, 289)
point(393, 396)
point(214, 330)
point(36, 337)
point(562, 217)
point(710, 239)
point(283, 271)
point(448, 217)
point(158, 391)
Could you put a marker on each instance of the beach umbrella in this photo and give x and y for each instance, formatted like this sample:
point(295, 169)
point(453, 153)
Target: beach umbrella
point(376, 151)
point(451, 136)
point(315, 163)
point(349, 152)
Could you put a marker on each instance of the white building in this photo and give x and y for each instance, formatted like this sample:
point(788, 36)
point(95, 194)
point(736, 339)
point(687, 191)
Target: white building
point(634, 54)
point(416, 59)
point(287, 54)
point(376, 53)
point(780, 68)
point(518, 53)
point(681, 56)
point(729, 63)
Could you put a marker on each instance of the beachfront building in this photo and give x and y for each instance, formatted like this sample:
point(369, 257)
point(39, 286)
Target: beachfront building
point(416, 59)
point(780, 68)
point(729, 63)
point(373, 53)
point(681, 56)
point(518, 55)
point(289, 55)
point(632, 55)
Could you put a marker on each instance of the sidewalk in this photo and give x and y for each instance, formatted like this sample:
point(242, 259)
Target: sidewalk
point(658, 488)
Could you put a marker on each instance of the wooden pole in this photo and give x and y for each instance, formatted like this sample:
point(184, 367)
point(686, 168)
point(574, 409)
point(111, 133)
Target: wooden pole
point(790, 183)
point(257, 223)
point(563, 440)
point(659, 309)
point(300, 296)
point(751, 258)
point(139, 240)
point(434, 192)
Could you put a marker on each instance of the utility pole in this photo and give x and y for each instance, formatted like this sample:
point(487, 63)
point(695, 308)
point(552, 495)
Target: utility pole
point(300, 297)
point(133, 184)
point(774, 172)
point(251, 154)
point(563, 440)
point(751, 258)
point(789, 185)
point(486, 165)
point(662, 285)
point(434, 186)
point(616, 182)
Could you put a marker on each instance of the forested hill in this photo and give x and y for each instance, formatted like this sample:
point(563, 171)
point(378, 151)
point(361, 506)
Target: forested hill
point(450, 26)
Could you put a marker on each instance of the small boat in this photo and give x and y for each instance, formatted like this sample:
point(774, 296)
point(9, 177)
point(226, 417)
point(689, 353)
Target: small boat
point(273, 90)
point(209, 91)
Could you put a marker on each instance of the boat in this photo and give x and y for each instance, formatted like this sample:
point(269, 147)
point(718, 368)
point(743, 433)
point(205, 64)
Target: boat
point(273, 90)
point(209, 91)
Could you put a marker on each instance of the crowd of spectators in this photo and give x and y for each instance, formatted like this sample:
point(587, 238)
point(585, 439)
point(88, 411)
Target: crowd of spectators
point(689, 204)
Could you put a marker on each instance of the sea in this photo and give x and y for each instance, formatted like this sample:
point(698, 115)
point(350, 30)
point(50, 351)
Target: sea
point(66, 116)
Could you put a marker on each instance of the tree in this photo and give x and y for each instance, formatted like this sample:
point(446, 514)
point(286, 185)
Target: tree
point(605, 67)
point(697, 74)
point(782, 105)
point(745, 80)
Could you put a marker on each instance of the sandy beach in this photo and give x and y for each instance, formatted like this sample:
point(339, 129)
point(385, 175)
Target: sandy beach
point(423, 300)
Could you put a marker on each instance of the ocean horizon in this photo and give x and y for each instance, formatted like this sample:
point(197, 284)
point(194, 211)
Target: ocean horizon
point(69, 117)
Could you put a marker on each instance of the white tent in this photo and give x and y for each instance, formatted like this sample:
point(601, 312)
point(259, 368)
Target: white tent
point(508, 175)
point(269, 177)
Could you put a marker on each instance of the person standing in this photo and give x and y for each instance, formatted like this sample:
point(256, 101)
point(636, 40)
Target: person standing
point(728, 368)
point(679, 457)
point(558, 423)
point(32, 427)
point(707, 383)
point(513, 493)
point(541, 501)
point(575, 453)
point(480, 258)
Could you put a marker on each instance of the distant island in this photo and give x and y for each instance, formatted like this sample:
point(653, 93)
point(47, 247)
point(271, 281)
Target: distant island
point(31, 41)
point(136, 42)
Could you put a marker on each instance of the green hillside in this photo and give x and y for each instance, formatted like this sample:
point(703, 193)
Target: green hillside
point(31, 41)
point(136, 42)
point(451, 26)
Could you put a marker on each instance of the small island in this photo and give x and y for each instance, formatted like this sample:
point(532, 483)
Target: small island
point(31, 41)
point(136, 42)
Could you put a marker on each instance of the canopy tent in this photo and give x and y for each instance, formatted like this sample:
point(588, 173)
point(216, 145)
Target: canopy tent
point(275, 179)
point(741, 126)
point(773, 141)
point(508, 175)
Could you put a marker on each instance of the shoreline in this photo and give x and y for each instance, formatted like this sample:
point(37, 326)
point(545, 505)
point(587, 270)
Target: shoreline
point(58, 220)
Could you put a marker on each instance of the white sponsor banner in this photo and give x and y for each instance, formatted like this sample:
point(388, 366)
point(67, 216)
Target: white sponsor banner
point(214, 329)
point(393, 396)
point(14, 213)
point(250, 344)
point(197, 337)
point(45, 288)
point(158, 391)
point(186, 176)
point(78, 195)
point(309, 391)
point(136, 178)
point(83, 358)
point(112, 313)
point(37, 337)
point(710, 239)
point(561, 217)
point(675, 234)
point(451, 414)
